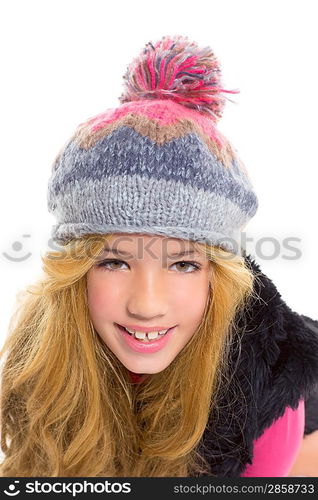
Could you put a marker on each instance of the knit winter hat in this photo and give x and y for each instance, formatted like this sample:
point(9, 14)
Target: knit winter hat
point(157, 163)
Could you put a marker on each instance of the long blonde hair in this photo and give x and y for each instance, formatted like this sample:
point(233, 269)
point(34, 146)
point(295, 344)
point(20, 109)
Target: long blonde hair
point(68, 406)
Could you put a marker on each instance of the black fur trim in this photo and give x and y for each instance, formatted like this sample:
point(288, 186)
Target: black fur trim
point(273, 364)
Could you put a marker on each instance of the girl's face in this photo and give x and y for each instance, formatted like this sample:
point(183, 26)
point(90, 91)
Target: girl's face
point(147, 281)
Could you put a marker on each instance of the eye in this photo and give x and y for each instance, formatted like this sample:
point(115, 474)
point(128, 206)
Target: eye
point(104, 264)
point(108, 262)
point(195, 265)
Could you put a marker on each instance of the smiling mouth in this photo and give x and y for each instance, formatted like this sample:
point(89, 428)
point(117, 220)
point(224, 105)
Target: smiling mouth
point(146, 339)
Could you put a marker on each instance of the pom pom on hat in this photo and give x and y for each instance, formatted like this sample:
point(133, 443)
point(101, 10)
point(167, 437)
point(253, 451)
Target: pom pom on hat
point(177, 69)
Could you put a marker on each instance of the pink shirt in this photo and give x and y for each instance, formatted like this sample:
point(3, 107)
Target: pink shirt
point(276, 449)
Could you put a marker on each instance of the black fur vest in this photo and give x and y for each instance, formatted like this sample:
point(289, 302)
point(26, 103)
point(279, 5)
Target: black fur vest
point(273, 364)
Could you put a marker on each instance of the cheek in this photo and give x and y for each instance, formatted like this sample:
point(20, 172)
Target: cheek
point(189, 301)
point(100, 302)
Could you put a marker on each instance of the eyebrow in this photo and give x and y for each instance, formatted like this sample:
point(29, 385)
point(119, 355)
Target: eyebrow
point(176, 254)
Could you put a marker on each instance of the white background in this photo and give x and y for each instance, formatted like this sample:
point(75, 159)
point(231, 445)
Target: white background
point(63, 61)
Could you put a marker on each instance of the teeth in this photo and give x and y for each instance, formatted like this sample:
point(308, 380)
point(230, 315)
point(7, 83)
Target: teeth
point(145, 336)
point(140, 335)
point(152, 335)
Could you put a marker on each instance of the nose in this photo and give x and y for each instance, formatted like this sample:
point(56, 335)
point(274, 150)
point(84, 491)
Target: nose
point(148, 299)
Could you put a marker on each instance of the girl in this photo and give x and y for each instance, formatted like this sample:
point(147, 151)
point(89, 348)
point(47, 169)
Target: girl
point(154, 345)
